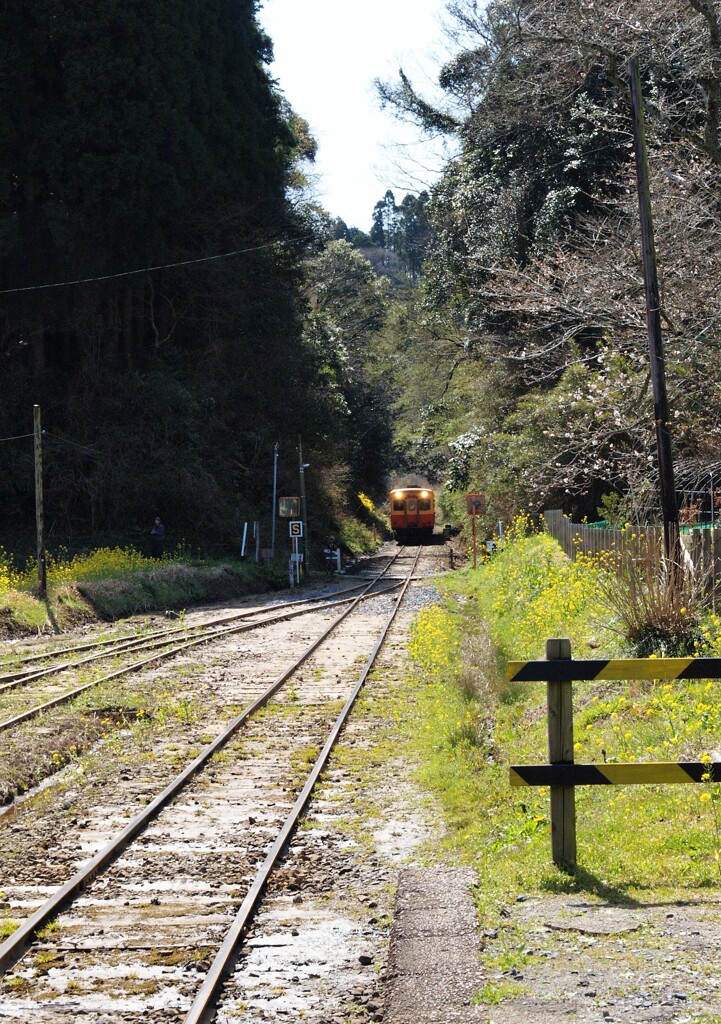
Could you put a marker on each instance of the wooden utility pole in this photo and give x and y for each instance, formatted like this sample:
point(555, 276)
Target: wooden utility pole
point(302, 466)
point(669, 508)
point(39, 518)
point(275, 499)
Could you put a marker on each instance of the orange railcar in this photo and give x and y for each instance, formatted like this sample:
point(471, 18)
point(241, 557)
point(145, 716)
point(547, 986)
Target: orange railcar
point(413, 513)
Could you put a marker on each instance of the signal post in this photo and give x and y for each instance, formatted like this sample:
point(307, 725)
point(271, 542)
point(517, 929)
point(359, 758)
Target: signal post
point(289, 508)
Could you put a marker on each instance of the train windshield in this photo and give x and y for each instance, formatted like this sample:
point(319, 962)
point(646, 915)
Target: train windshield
point(399, 505)
point(411, 505)
point(424, 504)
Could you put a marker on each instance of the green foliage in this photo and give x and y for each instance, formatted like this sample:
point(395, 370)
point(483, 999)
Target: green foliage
point(378, 521)
point(348, 308)
point(404, 230)
point(614, 510)
point(121, 581)
point(465, 737)
point(341, 232)
point(539, 394)
point(355, 536)
point(531, 591)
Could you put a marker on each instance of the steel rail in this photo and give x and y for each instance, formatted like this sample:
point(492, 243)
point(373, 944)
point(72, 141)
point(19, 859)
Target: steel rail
point(128, 642)
point(202, 1010)
point(16, 945)
point(135, 666)
point(155, 640)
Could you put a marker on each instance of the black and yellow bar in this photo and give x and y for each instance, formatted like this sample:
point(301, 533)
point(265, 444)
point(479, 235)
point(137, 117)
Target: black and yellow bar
point(614, 774)
point(617, 668)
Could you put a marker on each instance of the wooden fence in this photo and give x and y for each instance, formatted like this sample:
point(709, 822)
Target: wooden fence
point(701, 548)
point(559, 671)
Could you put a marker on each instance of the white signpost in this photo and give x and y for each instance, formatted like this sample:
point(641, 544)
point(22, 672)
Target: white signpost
point(295, 531)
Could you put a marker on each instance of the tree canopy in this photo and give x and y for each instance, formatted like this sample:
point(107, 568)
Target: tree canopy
point(532, 274)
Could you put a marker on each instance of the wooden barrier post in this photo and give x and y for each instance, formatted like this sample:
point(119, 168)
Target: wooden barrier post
point(562, 775)
point(560, 751)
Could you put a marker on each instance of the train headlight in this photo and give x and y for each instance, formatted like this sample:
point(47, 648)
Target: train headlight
point(424, 494)
point(398, 494)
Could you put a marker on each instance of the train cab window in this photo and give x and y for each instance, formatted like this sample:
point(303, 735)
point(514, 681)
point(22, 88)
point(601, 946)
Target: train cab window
point(411, 505)
point(424, 504)
point(399, 506)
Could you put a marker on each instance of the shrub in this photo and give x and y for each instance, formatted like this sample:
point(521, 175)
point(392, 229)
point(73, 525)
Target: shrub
point(529, 591)
point(658, 609)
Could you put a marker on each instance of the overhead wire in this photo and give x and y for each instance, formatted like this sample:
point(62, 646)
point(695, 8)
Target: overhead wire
point(72, 444)
point(149, 270)
point(18, 437)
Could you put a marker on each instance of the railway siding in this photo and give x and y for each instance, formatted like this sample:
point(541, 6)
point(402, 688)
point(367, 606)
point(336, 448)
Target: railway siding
point(28, 754)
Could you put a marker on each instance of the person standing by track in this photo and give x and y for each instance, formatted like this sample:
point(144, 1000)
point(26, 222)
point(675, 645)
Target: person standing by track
point(157, 538)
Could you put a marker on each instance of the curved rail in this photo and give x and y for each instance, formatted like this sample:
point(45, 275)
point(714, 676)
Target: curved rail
point(205, 637)
point(118, 644)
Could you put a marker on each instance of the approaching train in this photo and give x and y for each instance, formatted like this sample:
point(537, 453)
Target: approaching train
point(413, 513)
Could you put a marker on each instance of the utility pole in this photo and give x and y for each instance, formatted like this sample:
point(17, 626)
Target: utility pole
point(275, 499)
point(302, 466)
point(39, 518)
point(669, 508)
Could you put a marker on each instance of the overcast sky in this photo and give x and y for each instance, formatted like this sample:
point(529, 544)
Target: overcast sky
point(327, 54)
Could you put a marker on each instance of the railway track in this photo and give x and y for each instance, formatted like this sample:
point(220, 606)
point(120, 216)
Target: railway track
point(24, 665)
point(53, 687)
point(166, 888)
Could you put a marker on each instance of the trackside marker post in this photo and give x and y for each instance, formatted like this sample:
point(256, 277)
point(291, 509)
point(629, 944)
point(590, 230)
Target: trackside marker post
point(561, 774)
point(475, 505)
point(560, 751)
point(295, 531)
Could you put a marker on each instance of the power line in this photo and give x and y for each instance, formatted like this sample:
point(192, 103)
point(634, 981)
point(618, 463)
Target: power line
point(256, 248)
point(148, 270)
point(18, 437)
point(72, 444)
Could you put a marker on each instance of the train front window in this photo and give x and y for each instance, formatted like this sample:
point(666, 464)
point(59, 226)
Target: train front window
point(399, 506)
point(424, 505)
point(411, 505)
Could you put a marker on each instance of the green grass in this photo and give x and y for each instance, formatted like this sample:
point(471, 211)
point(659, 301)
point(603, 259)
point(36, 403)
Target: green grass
point(494, 993)
point(356, 536)
point(26, 612)
point(463, 725)
point(114, 583)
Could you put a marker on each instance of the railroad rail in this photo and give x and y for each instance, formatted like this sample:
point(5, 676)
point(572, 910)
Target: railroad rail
point(131, 640)
point(169, 643)
point(13, 949)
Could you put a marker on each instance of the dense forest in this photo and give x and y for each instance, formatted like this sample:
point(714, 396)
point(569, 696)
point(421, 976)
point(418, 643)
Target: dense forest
point(166, 296)
point(177, 303)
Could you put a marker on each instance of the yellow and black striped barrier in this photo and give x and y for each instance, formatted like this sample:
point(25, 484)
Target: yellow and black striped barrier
point(569, 670)
point(559, 671)
point(616, 774)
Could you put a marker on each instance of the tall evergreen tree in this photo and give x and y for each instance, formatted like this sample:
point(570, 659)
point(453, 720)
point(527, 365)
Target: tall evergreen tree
point(134, 135)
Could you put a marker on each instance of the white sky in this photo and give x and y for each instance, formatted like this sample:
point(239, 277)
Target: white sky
point(327, 54)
